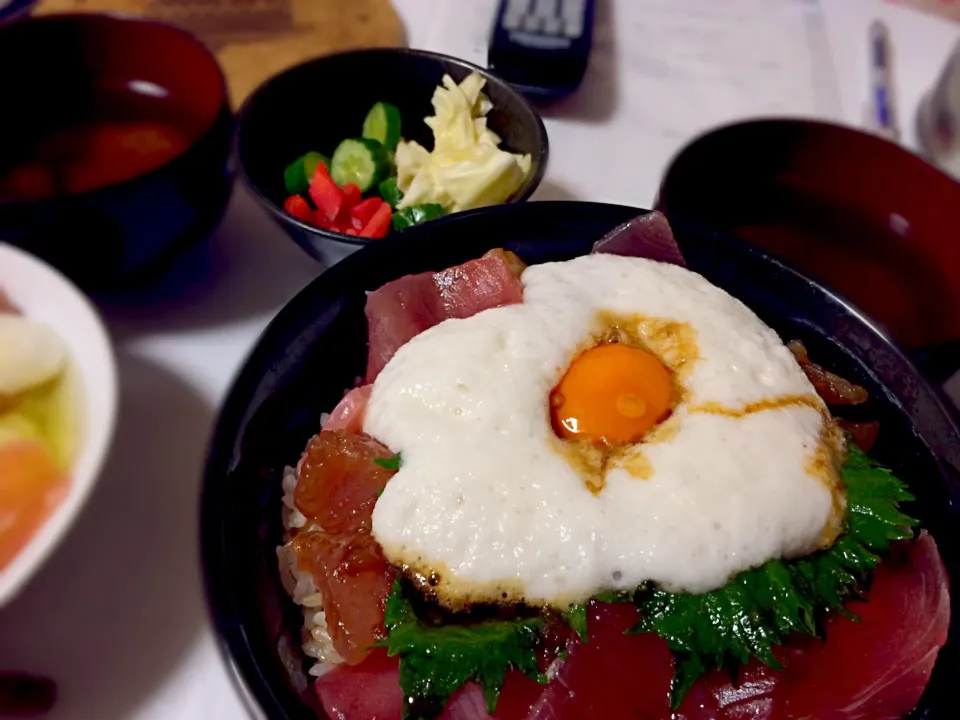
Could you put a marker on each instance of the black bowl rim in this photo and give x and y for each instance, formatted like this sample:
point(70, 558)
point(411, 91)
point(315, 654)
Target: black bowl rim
point(694, 145)
point(237, 407)
point(127, 18)
point(530, 186)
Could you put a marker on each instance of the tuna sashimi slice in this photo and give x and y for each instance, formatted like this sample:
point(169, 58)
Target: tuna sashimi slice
point(403, 308)
point(875, 669)
point(349, 412)
point(368, 691)
point(613, 675)
point(647, 236)
point(372, 690)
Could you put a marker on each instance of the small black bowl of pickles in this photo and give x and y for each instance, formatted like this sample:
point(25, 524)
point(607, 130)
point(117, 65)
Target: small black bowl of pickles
point(349, 148)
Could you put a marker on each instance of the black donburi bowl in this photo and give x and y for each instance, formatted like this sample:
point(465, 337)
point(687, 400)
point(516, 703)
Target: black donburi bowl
point(316, 347)
point(315, 105)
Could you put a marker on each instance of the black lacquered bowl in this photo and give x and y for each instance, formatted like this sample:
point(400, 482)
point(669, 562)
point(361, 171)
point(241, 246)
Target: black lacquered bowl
point(315, 105)
point(317, 346)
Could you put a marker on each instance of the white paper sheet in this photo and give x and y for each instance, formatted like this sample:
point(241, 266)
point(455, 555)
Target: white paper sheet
point(920, 45)
point(661, 72)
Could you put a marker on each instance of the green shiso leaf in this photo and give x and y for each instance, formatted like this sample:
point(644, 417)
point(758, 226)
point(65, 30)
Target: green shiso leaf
point(390, 463)
point(436, 661)
point(576, 617)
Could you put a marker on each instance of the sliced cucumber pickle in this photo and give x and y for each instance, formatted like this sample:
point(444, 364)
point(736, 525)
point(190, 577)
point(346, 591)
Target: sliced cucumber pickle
point(383, 125)
point(299, 173)
point(361, 161)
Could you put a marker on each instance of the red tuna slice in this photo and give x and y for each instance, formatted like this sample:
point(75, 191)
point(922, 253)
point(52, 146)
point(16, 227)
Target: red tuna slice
point(349, 412)
point(715, 697)
point(368, 691)
point(612, 676)
point(403, 308)
point(875, 669)
point(467, 703)
point(647, 236)
point(371, 691)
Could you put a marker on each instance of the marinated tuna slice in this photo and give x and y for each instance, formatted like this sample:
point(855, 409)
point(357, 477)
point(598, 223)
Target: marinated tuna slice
point(648, 236)
point(832, 388)
point(864, 434)
point(349, 412)
point(403, 308)
point(354, 580)
point(337, 485)
point(338, 481)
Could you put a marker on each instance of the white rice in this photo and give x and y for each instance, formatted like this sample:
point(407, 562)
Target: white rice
point(299, 584)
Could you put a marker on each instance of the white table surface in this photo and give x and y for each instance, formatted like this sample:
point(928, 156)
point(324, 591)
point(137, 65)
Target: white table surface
point(117, 616)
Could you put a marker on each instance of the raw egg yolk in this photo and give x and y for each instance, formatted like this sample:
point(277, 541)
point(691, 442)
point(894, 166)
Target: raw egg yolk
point(611, 393)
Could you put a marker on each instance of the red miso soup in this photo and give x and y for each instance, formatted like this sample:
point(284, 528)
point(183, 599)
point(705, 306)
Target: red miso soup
point(126, 134)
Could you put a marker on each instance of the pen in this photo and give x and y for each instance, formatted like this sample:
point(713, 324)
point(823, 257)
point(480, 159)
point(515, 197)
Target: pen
point(881, 81)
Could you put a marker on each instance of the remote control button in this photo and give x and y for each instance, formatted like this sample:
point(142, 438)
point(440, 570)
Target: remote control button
point(511, 21)
point(545, 8)
point(531, 23)
point(517, 7)
point(573, 8)
point(552, 25)
point(540, 42)
point(573, 28)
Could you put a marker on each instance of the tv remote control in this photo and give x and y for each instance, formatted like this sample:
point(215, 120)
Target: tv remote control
point(541, 46)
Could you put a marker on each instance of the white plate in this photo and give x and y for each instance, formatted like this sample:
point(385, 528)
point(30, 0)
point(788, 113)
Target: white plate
point(43, 294)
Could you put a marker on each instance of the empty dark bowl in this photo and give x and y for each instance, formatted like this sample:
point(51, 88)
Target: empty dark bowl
point(317, 346)
point(861, 214)
point(93, 74)
point(315, 105)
